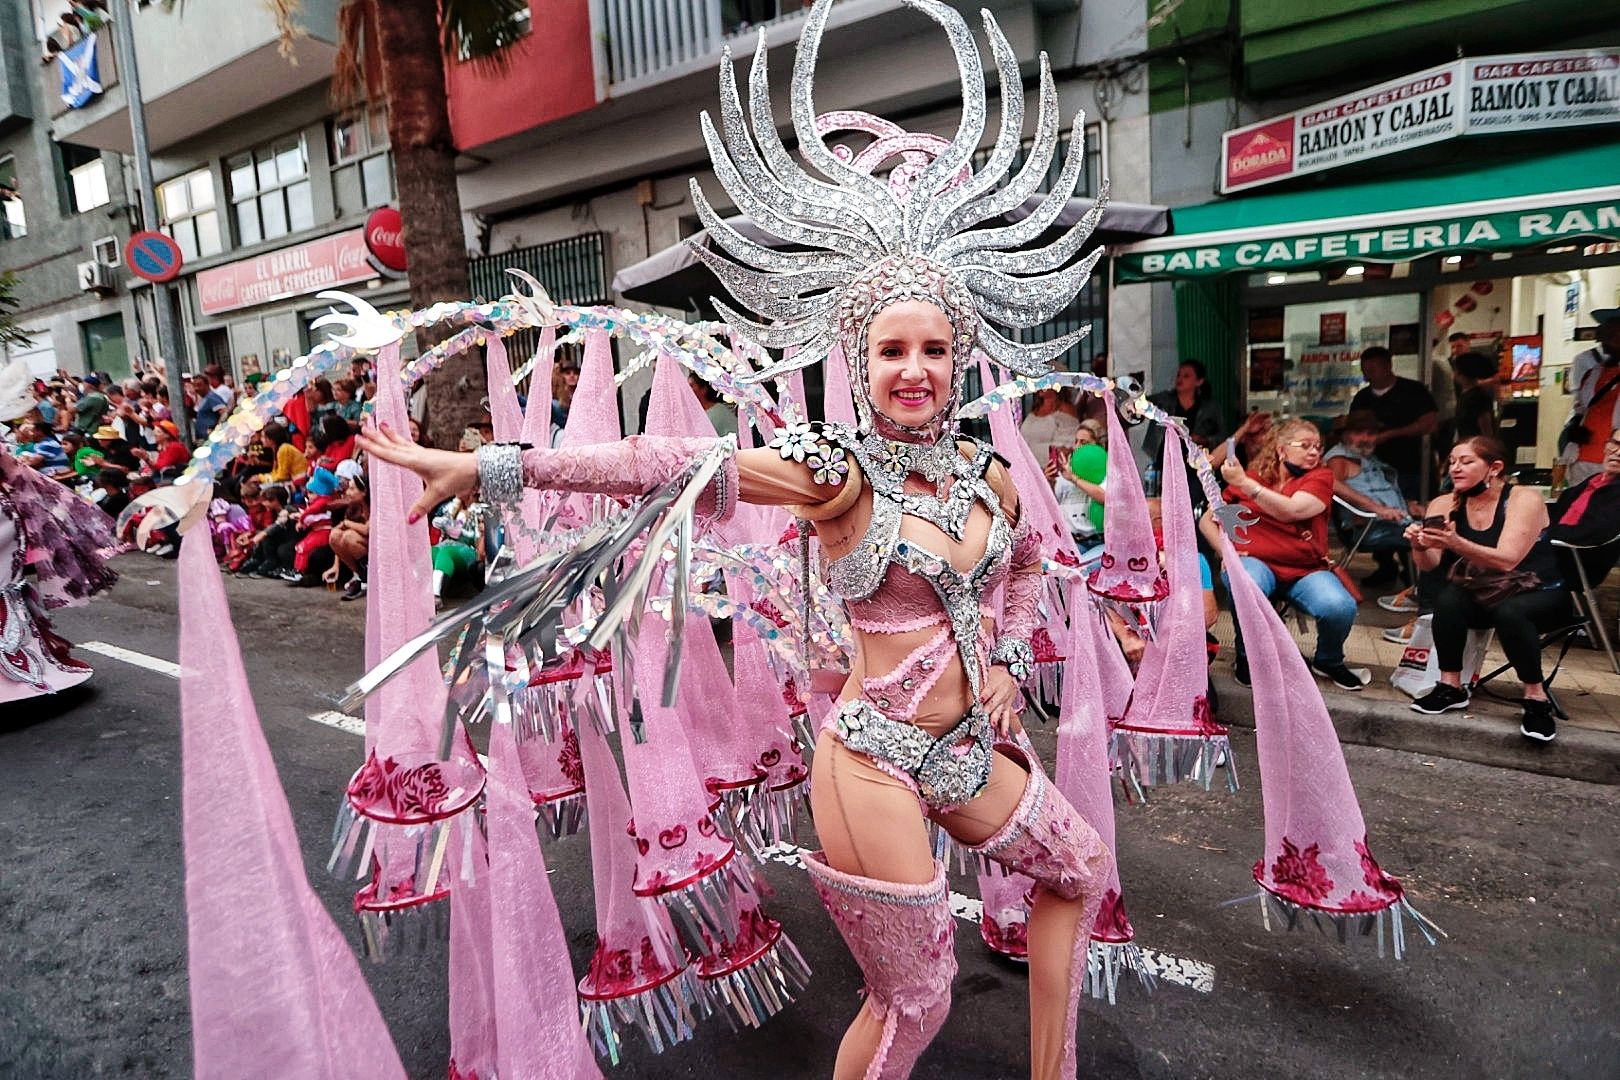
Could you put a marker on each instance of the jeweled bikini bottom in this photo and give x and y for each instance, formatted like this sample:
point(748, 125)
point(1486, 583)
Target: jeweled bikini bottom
point(948, 771)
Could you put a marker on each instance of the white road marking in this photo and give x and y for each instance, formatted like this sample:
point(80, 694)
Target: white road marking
point(130, 656)
point(331, 718)
point(1193, 974)
point(342, 721)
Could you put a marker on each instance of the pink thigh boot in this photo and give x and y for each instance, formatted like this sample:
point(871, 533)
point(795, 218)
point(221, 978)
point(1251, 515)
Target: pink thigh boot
point(903, 938)
point(1047, 839)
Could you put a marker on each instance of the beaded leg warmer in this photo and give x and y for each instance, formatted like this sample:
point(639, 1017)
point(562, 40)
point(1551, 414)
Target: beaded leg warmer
point(1047, 839)
point(903, 938)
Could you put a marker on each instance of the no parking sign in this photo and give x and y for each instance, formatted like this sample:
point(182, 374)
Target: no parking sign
point(152, 256)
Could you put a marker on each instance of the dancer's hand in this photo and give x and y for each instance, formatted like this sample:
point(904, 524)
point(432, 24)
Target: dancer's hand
point(445, 473)
point(1000, 700)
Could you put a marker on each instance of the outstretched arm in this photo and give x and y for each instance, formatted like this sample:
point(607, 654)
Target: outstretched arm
point(633, 466)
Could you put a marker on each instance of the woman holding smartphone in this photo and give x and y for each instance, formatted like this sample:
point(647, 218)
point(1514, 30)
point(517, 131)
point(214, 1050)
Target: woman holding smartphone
point(1501, 574)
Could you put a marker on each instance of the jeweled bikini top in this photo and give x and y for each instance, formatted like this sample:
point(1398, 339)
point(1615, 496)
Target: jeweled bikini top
point(857, 576)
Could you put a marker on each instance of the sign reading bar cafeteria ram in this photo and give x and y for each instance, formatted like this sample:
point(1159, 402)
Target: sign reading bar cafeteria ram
point(1466, 97)
point(293, 271)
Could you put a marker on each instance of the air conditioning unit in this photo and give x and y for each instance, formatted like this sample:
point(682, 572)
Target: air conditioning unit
point(97, 277)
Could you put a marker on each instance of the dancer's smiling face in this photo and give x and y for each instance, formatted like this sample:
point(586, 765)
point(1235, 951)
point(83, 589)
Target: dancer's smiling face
point(908, 362)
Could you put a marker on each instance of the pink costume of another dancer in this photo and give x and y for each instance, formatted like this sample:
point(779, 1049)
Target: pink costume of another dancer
point(53, 554)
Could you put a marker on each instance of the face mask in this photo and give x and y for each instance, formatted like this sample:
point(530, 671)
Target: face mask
point(1478, 489)
point(1296, 471)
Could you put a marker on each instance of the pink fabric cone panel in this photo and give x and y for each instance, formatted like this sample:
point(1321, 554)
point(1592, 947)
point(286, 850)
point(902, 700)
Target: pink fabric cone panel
point(536, 1019)
point(505, 414)
point(836, 403)
point(552, 769)
point(472, 959)
point(1035, 497)
point(1004, 922)
point(1082, 772)
point(594, 416)
point(672, 408)
point(634, 942)
point(404, 717)
point(708, 708)
point(1172, 680)
point(537, 414)
point(1129, 570)
point(1316, 841)
point(275, 989)
point(763, 711)
point(676, 839)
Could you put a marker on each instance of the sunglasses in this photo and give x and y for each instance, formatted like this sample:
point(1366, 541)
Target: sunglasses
point(1304, 444)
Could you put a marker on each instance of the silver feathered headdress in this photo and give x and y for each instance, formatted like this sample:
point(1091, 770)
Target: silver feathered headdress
point(875, 241)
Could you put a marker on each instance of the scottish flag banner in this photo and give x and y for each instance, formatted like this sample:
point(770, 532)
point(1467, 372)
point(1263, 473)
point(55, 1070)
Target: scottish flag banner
point(81, 75)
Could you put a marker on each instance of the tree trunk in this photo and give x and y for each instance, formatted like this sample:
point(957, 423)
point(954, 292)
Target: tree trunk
point(407, 43)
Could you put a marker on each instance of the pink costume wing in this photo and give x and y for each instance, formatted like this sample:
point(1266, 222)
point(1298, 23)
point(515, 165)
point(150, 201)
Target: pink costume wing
point(1128, 576)
point(1167, 734)
point(1082, 775)
point(473, 1039)
point(275, 989)
point(1316, 856)
point(537, 415)
point(537, 1029)
point(505, 414)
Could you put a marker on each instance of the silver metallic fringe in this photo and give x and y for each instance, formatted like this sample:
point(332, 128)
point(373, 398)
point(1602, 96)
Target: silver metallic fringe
point(410, 930)
point(1375, 924)
point(1146, 760)
point(561, 816)
point(705, 911)
point(354, 838)
point(1106, 961)
point(752, 993)
point(734, 815)
point(665, 1015)
point(1141, 616)
point(776, 812)
point(957, 857)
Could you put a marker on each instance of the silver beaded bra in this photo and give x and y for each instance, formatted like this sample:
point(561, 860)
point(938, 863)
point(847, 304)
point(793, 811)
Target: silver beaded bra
point(886, 464)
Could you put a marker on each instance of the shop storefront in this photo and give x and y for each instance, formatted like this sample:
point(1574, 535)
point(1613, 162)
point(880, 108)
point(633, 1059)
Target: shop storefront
point(253, 315)
point(1283, 291)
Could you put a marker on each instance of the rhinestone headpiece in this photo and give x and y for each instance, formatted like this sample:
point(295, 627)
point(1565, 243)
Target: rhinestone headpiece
point(875, 241)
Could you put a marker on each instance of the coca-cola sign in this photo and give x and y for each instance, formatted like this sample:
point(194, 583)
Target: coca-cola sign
point(301, 270)
point(385, 238)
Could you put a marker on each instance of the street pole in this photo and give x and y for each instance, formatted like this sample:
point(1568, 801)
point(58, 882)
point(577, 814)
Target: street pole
point(162, 294)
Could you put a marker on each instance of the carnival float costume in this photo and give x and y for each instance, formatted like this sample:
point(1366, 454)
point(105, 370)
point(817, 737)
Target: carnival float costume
point(54, 548)
point(916, 564)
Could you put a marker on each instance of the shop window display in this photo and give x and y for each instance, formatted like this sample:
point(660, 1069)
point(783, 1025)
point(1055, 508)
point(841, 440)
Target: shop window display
point(1305, 359)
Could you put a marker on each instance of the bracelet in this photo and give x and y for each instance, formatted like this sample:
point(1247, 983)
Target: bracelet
point(1015, 655)
point(500, 474)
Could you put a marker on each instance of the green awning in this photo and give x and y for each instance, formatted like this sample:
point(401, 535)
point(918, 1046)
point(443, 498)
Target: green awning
point(1528, 202)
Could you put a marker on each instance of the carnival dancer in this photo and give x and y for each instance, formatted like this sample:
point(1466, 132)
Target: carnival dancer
point(53, 553)
point(918, 527)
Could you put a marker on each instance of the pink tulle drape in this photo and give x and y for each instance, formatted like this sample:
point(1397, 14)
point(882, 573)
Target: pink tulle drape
point(1128, 572)
point(275, 989)
point(836, 403)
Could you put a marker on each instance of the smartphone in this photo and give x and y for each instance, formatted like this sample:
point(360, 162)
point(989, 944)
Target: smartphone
point(1437, 522)
point(1054, 454)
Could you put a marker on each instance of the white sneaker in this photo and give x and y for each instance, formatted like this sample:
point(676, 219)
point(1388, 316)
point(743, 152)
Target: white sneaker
point(1400, 635)
point(1401, 603)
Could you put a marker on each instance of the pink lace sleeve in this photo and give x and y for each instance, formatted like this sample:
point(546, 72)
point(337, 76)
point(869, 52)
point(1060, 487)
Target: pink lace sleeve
point(1021, 610)
point(633, 466)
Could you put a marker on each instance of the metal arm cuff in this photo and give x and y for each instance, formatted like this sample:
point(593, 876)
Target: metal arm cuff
point(1015, 655)
point(500, 474)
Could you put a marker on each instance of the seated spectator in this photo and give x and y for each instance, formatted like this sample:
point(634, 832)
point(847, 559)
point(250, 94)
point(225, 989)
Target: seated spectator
point(1588, 514)
point(40, 449)
point(112, 491)
point(1191, 399)
point(456, 547)
point(273, 544)
point(240, 546)
point(1078, 481)
point(1048, 427)
point(1367, 483)
point(1501, 573)
point(331, 443)
point(288, 464)
point(310, 553)
point(86, 458)
point(227, 522)
point(346, 393)
point(1246, 441)
point(115, 452)
point(319, 401)
point(1288, 490)
point(171, 454)
point(351, 537)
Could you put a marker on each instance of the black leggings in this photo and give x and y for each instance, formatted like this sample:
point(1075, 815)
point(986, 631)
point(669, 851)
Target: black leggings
point(1519, 622)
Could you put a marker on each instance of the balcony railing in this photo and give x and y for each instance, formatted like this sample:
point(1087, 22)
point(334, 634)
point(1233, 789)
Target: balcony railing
point(645, 37)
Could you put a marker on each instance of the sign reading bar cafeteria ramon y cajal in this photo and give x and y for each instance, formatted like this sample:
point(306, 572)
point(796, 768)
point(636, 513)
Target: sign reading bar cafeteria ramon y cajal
point(1396, 115)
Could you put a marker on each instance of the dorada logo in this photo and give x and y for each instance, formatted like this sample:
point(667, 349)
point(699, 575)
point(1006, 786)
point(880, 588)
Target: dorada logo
point(1263, 151)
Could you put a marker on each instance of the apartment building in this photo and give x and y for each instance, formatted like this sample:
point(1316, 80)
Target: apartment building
point(575, 159)
point(64, 217)
point(264, 187)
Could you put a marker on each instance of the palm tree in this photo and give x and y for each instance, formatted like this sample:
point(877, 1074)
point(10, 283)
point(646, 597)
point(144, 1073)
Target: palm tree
point(396, 51)
point(10, 332)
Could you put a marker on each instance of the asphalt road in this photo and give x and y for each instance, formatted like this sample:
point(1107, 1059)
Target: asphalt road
point(1520, 870)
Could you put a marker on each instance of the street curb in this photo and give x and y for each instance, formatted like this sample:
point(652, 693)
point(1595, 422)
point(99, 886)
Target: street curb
point(1577, 754)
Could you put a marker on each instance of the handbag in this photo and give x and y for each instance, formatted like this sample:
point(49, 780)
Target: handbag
point(1491, 587)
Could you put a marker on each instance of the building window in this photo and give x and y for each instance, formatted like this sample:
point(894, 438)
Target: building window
point(13, 222)
point(1089, 176)
point(517, 27)
point(214, 346)
point(86, 177)
point(105, 251)
point(188, 214)
point(270, 194)
point(574, 271)
point(360, 138)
